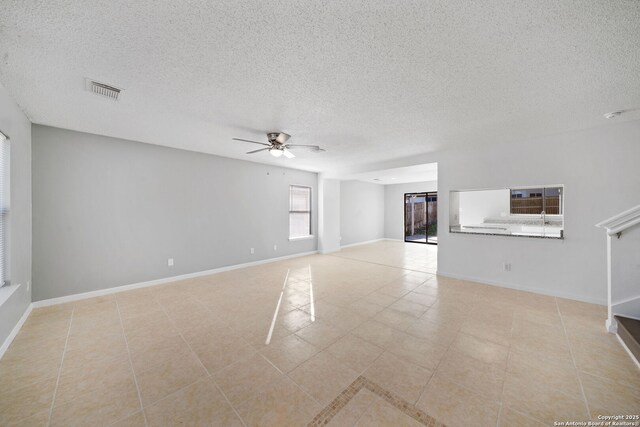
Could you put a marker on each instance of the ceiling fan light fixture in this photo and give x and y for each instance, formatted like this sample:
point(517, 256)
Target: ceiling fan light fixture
point(276, 152)
point(277, 145)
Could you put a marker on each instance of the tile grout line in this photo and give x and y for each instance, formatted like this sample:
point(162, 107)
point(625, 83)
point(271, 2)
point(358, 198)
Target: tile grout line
point(135, 379)
point(363, 412)
point(506, 370)
point(362, 375)
point(433, 374)
point(264, 357)
point(609, 379)
point(573, 359)
point(374, 360)
point(183, 339)
point(527, 416)
point(458, 332)
point(228, 402)
point(215, 383)
point(201, 364)
point(383, 265)
point(399, 403)
point(286, 374)
point(64, 352)
point(463, 386)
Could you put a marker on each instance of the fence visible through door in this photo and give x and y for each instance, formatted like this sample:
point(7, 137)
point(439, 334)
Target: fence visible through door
point(421, 217)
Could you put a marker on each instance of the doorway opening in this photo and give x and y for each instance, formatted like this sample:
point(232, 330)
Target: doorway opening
point(421, 217)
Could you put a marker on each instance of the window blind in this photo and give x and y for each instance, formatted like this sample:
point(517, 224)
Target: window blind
point(299, 211)
point(4, 208)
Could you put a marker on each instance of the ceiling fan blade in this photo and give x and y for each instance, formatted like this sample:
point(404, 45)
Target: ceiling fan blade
point(311, 147)
point(253, 142)
point(288, 154)
point(257, 151)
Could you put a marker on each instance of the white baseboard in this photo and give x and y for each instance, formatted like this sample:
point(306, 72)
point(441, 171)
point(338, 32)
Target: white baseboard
point(521, 288)
point(362, 243)
point(107, 291)
point(633, 357)
point(7, 342)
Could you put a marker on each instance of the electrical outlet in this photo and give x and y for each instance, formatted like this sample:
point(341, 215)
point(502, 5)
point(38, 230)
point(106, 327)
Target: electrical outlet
point(275, 247)
point(253, 251)
point(170, 262)
point(506, 266)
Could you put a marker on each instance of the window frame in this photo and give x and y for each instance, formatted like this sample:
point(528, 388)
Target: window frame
point(543, 188)
point(310, 212)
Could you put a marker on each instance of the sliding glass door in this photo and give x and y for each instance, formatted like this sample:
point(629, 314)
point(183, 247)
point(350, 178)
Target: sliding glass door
point(421, 218)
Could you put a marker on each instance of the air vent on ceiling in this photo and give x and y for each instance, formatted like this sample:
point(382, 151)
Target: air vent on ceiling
point(102, 89)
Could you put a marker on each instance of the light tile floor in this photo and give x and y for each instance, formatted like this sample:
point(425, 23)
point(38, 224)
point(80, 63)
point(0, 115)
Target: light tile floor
point(195, 352)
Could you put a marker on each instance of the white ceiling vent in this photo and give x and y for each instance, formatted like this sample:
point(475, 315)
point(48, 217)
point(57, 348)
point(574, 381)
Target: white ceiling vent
point(103, 89)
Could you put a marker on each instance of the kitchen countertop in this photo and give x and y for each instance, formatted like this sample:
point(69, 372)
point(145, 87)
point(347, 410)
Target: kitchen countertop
point(495, 229)
point(550, 221)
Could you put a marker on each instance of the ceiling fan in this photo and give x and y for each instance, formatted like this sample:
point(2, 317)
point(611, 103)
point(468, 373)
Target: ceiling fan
point(278, 146)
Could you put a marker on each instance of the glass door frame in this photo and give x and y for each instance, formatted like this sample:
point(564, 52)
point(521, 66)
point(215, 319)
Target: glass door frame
point(426, 195)
point(432, 194)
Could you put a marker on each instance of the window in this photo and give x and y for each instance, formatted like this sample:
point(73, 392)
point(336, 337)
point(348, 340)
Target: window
point(299, 211)
point(4, 208)
point(533, 201)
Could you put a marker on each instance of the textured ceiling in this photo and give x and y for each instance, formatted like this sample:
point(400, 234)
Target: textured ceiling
point(368, 80)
